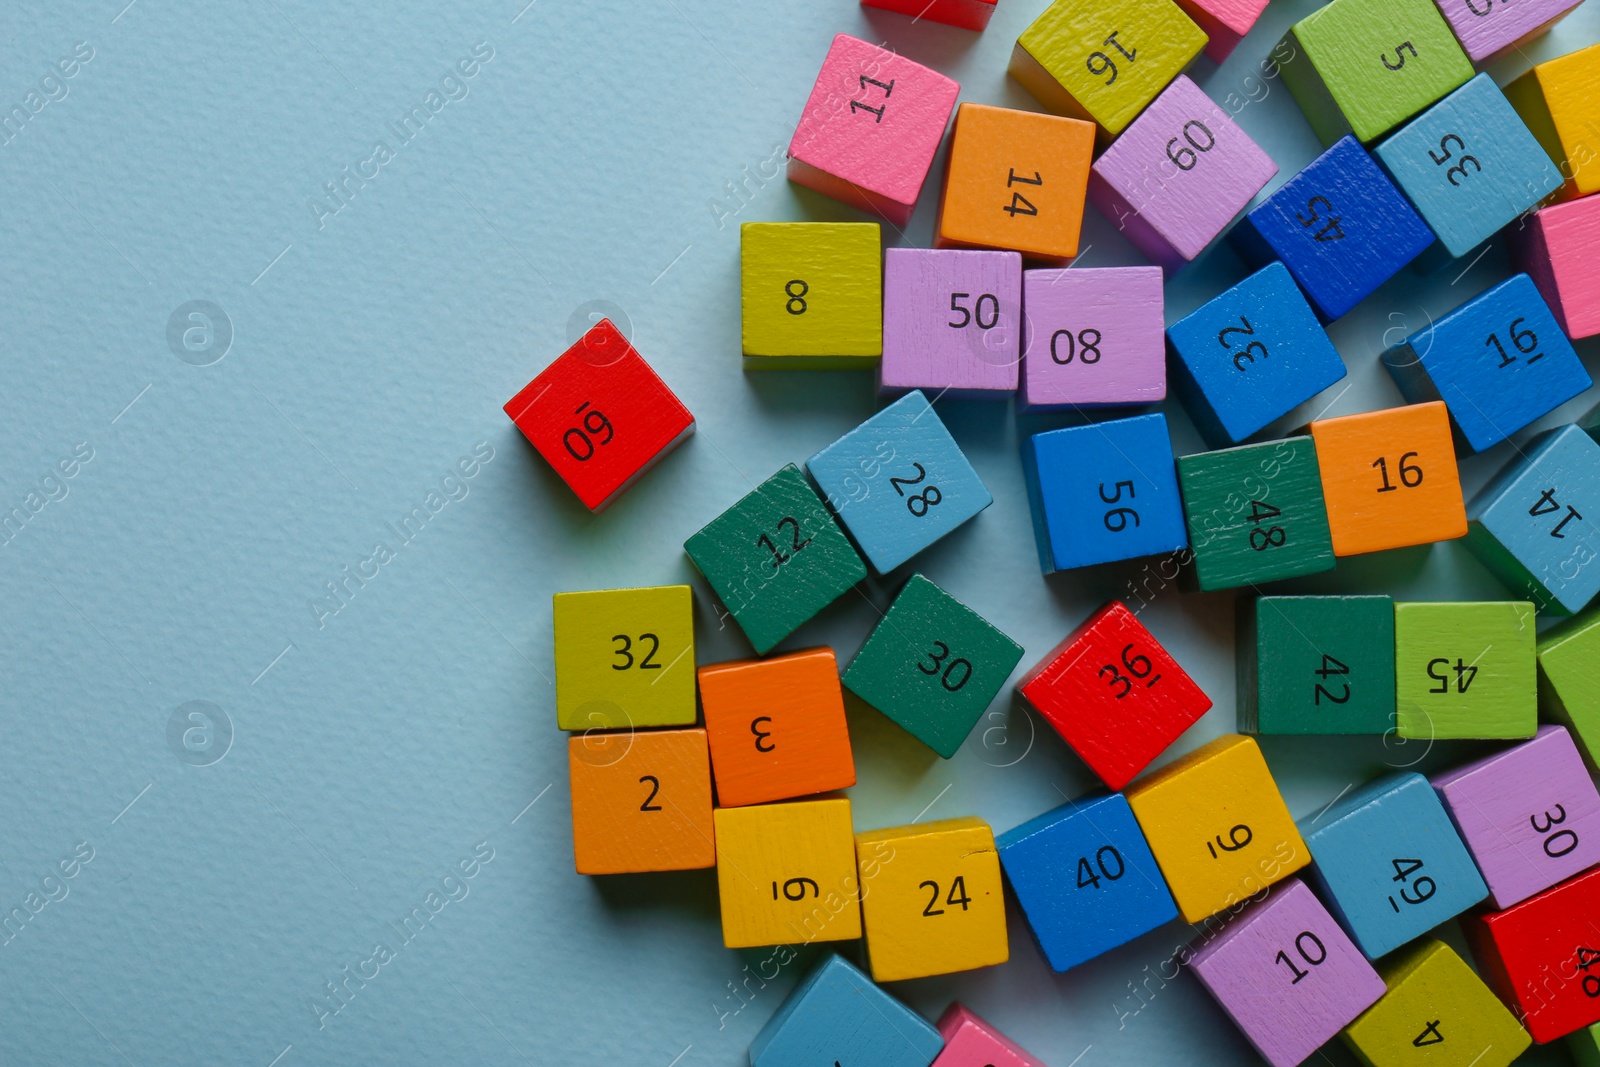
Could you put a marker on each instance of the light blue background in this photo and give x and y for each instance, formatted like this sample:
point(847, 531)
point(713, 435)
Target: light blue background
point(373, 752)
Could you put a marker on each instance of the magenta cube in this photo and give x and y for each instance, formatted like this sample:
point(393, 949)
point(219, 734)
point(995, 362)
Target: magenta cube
point(1488, 29)
point(870, 129)
point(1178, 175)
point(951, 321)
point(1093, 336)
point(1530, 815)
point(1287, 974)
point(1225, 22)
point(971, 1042)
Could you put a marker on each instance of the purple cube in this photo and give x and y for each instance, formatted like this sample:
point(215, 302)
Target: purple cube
point(1093, 337)
point(951, 322)
point(1488, 31)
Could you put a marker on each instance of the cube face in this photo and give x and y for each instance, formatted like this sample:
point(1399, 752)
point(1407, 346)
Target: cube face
point(786, 873)
point(641, 801)
point(915, 929)
point(1556, 99)
point(1114, 694)
point(1540, 957)
point(1558, 255)
point(775, 558)
point(811, 293)
point(838, 1014)
point(971, 1042)
point(1317, 665)
point(1093, 337)
point(1225, 22)
point(1218, 826)
point(951, 321)
point(600, 416)
point(967, 14)
point(928, 488)
point(624, 658)
point(1086, 879)
point(1465, 670)
point(1569, 688)
point(933, 665)
point(1390, 478)
point(1488, 30)
point(1015, 180)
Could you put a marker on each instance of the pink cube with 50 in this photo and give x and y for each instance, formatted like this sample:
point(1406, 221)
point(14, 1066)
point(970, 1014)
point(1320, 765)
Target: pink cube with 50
point(1489, 29)
point(951, 321)
point(971, 1042)
point(1093, 337)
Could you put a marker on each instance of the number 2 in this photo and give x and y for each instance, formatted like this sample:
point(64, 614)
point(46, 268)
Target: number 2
point(655, 787)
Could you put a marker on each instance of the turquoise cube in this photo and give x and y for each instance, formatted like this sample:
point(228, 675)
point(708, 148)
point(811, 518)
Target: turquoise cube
point(838, 1015)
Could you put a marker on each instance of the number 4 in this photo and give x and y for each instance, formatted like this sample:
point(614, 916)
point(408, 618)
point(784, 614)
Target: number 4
point(1429, 1036)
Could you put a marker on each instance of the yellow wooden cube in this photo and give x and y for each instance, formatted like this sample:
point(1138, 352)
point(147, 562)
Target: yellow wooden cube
point(1218, 826)
point(787, 873)
point(931, 899)
point(1557, 101)
point(812, 294)
point(624, 658)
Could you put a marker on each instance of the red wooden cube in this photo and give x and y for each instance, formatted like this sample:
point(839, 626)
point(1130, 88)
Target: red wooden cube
point(968, 14)
point(600, 415)
point(1114, 694)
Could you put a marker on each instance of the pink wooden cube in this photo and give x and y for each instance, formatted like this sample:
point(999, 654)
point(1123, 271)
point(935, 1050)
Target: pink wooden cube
point(1530, 815)
point(971, 1042)
point(1178, 175)
point(1287, 974)
point(968, 14)
point(1488, 30)
point(1225, 22)
point(1093, 336)
point(870, 128)
point(951, 321)
point(1561, 252)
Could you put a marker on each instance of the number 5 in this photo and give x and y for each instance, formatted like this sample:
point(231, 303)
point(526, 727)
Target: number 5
point(1400, 59)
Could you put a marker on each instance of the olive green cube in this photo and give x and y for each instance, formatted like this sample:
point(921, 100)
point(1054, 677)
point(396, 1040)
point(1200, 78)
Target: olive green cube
point(1316, 665)
point(1569, 680)
point(1465, 670)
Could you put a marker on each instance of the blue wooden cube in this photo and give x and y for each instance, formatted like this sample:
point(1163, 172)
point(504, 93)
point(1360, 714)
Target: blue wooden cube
point(1250, 356)
point(838, 1015)
point(1533, 524)
point(1103, 492)
point(898, 482)
point(1085, 878)
point(1469, 165)
point(1390, 863)
point(1340, 226)
point(1498, 362)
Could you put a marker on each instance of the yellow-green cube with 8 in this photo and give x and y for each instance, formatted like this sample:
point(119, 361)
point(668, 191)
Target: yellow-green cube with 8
point(624, 658)
point(811, 294)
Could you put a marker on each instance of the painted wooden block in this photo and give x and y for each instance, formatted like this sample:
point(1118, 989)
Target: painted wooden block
point(641, 801)
point(1390, 478)
point(1530, 815)
point(1490, 31)
point(1225, 22)
point(776, 727)
point(1249, 356)
point(1529, 524)
point(786, 873)
point(971, 1042)
point(837, 1015)
point(1218, 826)
point(1569, 687)
point(1556, 99)
point(1541, 957)
point(1585, 1046)
point(922, 489)
point(1340, 226)
point(931, 899)
point(624, 658)
point(1469, 165)
point(811, 294)
point(1436, 1011)
point(1015, 180)
point(1085, 878)
point(600, 416)
point(951, 322)
point(1465, 670)
point(1366, 66)
point(1498, 362)
point(1316, 665)
point(967, 14)
point(1114, 694)
point(933, 665)
point(1104, 61)
point(1178, 175)
point(775, 558)
point(1093, 337)
point(1390, 864)
point(1558, 252)
point(1103, 492)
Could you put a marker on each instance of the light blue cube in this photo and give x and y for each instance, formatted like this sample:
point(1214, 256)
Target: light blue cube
point(898, 482)
point(838, 1015)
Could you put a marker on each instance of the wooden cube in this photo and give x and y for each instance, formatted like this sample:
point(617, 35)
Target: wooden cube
point(1390, 478)
point(1286, 974)
point(923, 489)
point(1218, 826)
point(811, 294)
point(786, 873)
point(600, 416)
point(1015, 180)
point(775, 558)
point(1465, 670)
point(838, 1015)
point(951, 322)
point(1093, 337)
point(966, 14)
point(1556, 100)
point(933, 665)
point(1316, 665)
point(641, 801)
point(624, 658)
point(971, 1042)
point(1225, 22)
point(1178, 176)
point(870, 128)
point(1569, 687)
point(1558, 250)
point(1585, 1046)
point(1493, 31)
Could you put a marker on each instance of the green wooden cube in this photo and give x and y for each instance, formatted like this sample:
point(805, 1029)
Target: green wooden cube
point(1365, 66)
point(1465, 669)
point(1255, 513)
point(932, 664)
point(1569, 684)
point(776, 558)
point(1316, 665)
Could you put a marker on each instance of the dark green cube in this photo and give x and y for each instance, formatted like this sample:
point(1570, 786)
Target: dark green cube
point(1316, 665)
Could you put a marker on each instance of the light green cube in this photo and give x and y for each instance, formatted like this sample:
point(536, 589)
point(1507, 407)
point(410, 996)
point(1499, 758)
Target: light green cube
point(1569, 684)
point(1465, 669)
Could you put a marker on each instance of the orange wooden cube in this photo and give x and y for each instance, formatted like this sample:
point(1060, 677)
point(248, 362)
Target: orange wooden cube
point(1015, 180)
point(776, 727)
point(641, 801)
point(1389, 478)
